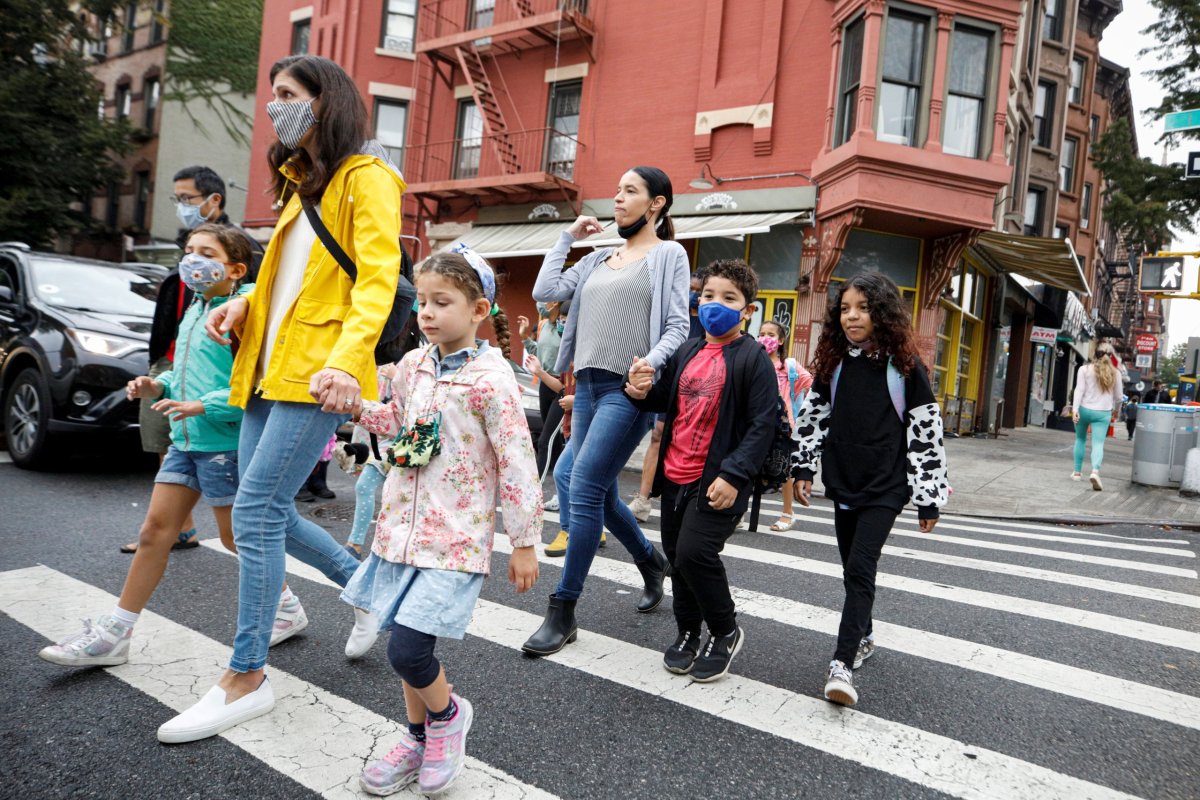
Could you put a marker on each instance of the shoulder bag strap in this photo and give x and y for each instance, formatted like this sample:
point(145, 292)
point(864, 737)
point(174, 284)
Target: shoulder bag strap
point(327, 239)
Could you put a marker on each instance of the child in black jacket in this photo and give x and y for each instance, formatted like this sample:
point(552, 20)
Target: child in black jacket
point(879, 444)
point(720, 398)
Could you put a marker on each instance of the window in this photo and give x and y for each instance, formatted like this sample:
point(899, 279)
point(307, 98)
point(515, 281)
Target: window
point(1093, 132)
point(156, 22)
point(1035, 210)
point(399, 25)
point(1062, 232)
point(112, 204)
point(1078, 66)
point(141, 201)
point(150, 94)
point(129, 28)
point(896, 256)
point(301, 36)
point(1031, 47)
point(565, 100)
point(903, 73)
point(1085, 207)
point(470, 140)
point(1052, 22)
point(124, 101)
point(776, 257)
point(1066, 165)
point(104, 31)
point(391, 122)
point(482, 13)
point(1043, 114)
point(968, 81)
point(852, 52)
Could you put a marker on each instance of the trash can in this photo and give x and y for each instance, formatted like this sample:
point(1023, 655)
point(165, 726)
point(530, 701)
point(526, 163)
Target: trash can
point(1164, 434)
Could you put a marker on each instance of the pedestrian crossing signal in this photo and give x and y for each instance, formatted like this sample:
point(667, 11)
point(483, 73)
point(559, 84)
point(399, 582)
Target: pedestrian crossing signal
point(1161, 274)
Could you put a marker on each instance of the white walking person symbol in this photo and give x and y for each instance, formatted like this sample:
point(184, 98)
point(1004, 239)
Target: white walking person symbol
point(1172, 275)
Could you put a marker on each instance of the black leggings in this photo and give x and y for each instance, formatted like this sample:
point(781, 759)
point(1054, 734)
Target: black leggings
point(549, 444)
point(411, 654)
point(861, 533)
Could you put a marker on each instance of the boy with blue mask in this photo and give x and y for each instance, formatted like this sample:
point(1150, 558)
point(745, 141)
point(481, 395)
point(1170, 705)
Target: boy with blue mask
point(720, 398)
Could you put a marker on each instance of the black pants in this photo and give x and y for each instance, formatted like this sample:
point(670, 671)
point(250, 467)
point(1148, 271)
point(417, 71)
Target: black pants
point(861, 533)
point(692, 538)
point(550, 444)
point(1130, 424)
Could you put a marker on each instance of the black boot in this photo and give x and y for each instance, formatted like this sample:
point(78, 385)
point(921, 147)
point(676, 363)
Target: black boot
point(654, 570)
point(316, 481)
point(558, 629)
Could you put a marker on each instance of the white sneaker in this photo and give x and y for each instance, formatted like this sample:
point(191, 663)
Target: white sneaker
point(640, 506)
point(1096, 484)
point(288, 621)
point(364, 634)
point(104, 644)
point(212, 715)
point(1076, 476)
point(839, 686)
point(551, 504)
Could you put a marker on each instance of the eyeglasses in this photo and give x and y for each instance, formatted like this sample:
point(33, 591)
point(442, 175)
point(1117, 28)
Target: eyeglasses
point(181, 199)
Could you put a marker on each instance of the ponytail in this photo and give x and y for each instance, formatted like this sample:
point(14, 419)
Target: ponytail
point(659, 185)
point(666, 228)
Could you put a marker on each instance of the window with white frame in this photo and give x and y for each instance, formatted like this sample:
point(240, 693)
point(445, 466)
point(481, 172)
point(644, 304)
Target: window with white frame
point(470, 141)
point(1078, 67)
point(1035, 211)
point(1066, 165)
point(967, 82)
point(904, 50)
point(1043, 114)
point(1085, 207)
point(150, 96)
point(124, 102)
point(391, 122)
point(399, 25)
point(1052, 21)
point(483, 12)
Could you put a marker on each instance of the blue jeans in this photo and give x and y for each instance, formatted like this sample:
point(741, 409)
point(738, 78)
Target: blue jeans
point(279, 444)
point(605, 430)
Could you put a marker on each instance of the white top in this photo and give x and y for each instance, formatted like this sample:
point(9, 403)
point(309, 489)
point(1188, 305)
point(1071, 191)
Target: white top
point(1088, 393)
point(295, 248)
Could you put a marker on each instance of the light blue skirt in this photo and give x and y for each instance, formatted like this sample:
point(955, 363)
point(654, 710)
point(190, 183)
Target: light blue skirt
point(434, 601)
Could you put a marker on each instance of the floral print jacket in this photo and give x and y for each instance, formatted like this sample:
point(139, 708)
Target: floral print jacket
point(442, 515)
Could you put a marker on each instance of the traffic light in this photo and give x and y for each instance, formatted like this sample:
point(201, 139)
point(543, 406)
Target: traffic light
point(1161, 274)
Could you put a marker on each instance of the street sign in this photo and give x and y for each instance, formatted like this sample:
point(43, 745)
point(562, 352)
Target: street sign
point(1146, 343)
point(1161, 274)
point(1191, 169)
point(1182, 369)
point(1043, 335)
point(1181, 120)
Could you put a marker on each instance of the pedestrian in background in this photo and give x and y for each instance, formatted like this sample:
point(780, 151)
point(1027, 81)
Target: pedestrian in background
point(627, 303)
point(793, 381)
point(1131, 409)
point(1158, 394)
point(541, 355)
point(878, 449)
point(1095, 405)
point(307, 335)
point(461, 443)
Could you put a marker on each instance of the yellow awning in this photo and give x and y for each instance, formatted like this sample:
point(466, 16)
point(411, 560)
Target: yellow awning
point(702, 227)
point(1048, 261)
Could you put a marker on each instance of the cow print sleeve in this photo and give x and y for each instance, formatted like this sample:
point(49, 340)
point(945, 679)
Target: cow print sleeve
point(812, 424)
point(928, 481)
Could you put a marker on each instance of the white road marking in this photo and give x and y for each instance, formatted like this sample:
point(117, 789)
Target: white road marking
point(5, 458)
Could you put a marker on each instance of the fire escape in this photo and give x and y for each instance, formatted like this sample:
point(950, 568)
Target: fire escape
point(494, 157)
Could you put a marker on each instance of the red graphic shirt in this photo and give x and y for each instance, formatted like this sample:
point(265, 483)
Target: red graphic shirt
point(700, 388)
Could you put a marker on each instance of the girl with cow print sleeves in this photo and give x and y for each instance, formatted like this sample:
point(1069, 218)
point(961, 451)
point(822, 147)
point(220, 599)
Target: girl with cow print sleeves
point(879, 446)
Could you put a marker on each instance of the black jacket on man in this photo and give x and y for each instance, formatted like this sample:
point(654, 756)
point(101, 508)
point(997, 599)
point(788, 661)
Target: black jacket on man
point(1158, 396)
point(746, 418)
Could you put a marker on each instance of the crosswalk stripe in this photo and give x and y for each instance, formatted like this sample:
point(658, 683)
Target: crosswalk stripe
point(1095, 687)
point(327, 738)
point(5, 458)
point(938, 762)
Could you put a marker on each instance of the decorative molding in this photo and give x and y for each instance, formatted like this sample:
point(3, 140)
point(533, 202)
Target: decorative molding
point(760, 116)
point(300, 14)
point(568, 73)
point(943, 261)
point(383, 51)
point(945, 20)
point(462, 92)
point(834, 232)
point(390, 90)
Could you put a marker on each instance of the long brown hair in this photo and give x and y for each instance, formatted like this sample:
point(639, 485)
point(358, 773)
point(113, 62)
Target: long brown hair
point(890, 317)
point(456, 269)
point(341, 124)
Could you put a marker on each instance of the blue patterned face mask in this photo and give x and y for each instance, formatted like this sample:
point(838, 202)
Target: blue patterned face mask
point(200, 273)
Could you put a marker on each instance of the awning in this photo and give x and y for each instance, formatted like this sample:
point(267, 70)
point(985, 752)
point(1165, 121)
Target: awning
point(702, 227)
point(508, 241)
point(1048, 261)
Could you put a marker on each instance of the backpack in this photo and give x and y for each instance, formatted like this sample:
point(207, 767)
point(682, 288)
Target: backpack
point(390, 347)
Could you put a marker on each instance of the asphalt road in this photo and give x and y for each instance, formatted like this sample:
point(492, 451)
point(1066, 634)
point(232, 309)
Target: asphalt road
point(1014, 661)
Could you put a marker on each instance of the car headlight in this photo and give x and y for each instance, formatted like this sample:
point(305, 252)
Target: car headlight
point(105, 345)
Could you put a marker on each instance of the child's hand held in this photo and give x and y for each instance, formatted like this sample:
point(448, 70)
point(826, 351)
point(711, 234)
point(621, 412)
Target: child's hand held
point(926, 525)
point(176, 410)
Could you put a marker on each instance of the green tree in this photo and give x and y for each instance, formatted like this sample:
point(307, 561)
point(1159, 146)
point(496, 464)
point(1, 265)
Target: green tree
point(55, 150)
point(1168, 366)
point(1177, 33)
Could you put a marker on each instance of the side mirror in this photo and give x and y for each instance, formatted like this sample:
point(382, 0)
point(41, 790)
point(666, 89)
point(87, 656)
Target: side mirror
point(7, 295)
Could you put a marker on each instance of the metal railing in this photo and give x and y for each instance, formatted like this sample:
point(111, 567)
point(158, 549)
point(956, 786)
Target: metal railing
point(435, 22)
point(496, 155)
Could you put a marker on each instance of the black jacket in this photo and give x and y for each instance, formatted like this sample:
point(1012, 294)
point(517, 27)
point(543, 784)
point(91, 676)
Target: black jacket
point(1158, 396)
point(746, 418)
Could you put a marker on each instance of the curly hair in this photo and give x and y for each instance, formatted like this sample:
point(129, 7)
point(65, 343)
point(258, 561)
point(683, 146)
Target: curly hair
point(734, 270)
point(456, 269)
point(890, 316)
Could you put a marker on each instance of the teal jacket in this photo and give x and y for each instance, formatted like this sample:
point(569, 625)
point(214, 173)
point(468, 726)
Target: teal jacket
point(201, 372)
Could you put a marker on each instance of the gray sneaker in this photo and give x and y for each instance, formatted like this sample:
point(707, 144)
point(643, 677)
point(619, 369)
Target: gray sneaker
point(866, 649)
point(839, 686)
point(104, 644)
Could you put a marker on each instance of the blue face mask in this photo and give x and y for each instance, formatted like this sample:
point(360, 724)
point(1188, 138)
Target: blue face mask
point(718, 319)
point(694, 301)
point(189, 215)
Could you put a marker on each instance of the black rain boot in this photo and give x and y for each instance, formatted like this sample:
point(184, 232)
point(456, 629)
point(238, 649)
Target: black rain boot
point(558, 629)
point(316, 481)
point(654, 570)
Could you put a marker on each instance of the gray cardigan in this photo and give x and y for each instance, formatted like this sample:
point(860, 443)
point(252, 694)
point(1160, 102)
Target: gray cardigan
point(669, 278)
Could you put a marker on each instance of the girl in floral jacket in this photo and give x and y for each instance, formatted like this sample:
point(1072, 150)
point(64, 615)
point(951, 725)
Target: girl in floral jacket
point(461, 440)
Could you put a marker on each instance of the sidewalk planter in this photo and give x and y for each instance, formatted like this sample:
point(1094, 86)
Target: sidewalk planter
point(1164, 435)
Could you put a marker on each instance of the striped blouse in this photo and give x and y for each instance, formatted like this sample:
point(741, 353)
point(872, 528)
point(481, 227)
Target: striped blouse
point(614, 318)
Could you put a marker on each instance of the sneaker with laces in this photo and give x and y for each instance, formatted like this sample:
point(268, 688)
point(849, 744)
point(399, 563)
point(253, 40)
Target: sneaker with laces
point(445, 748)
point(396, 770)
point(103, 644)
point(866, 649)
point(640, 506)
point(681, 656)
point(290, 619)
point(551, 504)
point(839, 686)
point(717, 656)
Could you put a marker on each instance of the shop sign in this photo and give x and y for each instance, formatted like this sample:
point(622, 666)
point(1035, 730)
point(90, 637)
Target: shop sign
point(1143, 361)
point(1043, 335)
point(1146, 343)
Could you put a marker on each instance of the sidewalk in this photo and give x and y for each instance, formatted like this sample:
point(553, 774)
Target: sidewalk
point(1026, 474)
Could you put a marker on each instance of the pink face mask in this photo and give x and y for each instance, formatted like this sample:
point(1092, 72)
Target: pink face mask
point(769, 343)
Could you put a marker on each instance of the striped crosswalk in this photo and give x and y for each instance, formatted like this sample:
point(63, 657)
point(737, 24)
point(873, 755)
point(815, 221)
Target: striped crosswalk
point(1136, 598)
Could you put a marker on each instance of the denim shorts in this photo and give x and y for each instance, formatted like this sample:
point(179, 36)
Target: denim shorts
point(439, 602)
point(214, 475)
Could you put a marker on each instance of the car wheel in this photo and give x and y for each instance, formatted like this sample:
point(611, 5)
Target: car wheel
point(27, 420)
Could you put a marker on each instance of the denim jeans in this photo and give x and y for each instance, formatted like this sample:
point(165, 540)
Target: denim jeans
point(605, 430)
point(280, 442)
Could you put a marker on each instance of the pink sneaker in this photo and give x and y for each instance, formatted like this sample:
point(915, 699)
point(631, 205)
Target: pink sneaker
point(445, 748)
point(396, 770)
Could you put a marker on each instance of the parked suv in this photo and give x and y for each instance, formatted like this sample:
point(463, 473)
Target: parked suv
point(73, 332)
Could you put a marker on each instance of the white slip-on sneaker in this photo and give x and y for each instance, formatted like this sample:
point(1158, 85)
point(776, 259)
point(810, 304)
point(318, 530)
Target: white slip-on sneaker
point(363, 635)
point(211, 715)
point(1096, 484)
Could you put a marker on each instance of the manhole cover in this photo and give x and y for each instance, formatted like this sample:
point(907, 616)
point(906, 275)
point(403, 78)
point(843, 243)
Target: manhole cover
point(339, 512)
